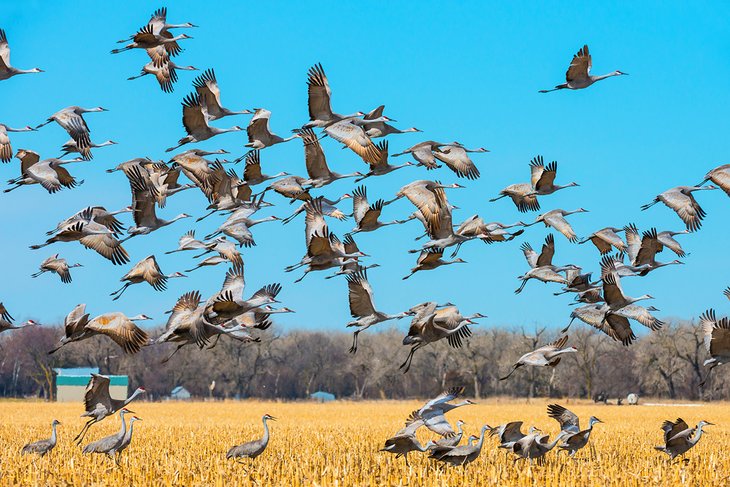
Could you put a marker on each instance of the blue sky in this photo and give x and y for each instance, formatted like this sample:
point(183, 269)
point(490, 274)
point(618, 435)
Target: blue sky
point(466, 71)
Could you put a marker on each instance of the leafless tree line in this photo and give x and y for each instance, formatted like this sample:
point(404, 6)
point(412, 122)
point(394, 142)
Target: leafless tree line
point(666, 364)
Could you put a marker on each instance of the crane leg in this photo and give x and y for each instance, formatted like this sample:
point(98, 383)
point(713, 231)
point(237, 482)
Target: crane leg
point(407, 364)
point(118, 293)
point(353, 348)
point(80, 437)
point(166, 359)
point(303, 276)
point(522, 286)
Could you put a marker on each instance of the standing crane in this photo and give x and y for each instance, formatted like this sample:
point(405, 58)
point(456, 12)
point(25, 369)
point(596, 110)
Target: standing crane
point(42, 447)
point(252, 449)
point(106, 444)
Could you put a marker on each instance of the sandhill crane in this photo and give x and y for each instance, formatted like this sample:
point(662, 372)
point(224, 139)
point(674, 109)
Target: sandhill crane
point(209, 262)
point(252, 449)
point(195, 121)
point(612, 324)
point(158, 24)
point(324, 249)
point(545, 356)
point(41, 447)
point(430, 259)
point(224, 248)
point(381, 129)
point(228, 303)
point(165, 74)
point(106, 444)
point(99, 404)
point(556, 219)
point(681, 200)
point(641, 315)
point(74, 326)
point(58, 266)
point(446, 443)
point(720, 176)
point(6, 70)
point(717, 340)
point(402, 443)
point(541, 265)
point(578, 281)
point(456, 158)
point(6, 150)
point(320, 106)
point(578, 74)
point(71, 147)
point(642, 252)
point(148, 38)
point(239, 229)
point(424, 153)
point(196, 168)
point(465, 454)
point(147, 270)
point(126, 165)
point(126, 440)
point(291, 187)
point(606, 238)
point(542, 177)
point(431, 414)
point(430, 199)
point(259, 133)
point(206, 86)
point(489, 233)
point(430, 325)
point(252, 172)
point(509, 432)
point(381, 166)
point(569, 422)
point(49, 173)
point(350, 133)
point(614, 295)
point(362, 307)
point(350, 265)
point(534, 446)
point(163, 181)
point(6, 320)
point(143, 204)
point(84, 228)
point(679, 437)
point(317, 169)
point(185, 324)
point(328, 209)
point(71, 119)
point(366, 215)
point(666, 238)
point(521, 195)
point(117, 326)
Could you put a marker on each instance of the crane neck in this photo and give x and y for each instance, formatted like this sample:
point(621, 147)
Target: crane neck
point(698, 434)
point(53, 434)
point(265, 439)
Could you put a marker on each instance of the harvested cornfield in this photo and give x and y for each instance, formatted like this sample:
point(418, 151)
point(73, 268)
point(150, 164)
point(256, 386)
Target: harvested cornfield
point(338, 444)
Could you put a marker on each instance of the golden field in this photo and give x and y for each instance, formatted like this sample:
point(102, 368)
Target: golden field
point(337, 444)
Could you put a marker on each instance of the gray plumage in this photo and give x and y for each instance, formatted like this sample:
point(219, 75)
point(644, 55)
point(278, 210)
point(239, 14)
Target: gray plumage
point(41, 447)
point(252, 449)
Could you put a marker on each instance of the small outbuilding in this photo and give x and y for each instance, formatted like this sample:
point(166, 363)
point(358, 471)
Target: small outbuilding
point(179, 393)
point(321, 396)
point(71, 384)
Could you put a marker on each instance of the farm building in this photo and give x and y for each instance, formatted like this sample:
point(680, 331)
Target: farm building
point(179, 393)
point(321, 396)
point(71, 384)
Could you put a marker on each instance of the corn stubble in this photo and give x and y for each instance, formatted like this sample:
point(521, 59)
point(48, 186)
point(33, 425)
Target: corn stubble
point(337, 444)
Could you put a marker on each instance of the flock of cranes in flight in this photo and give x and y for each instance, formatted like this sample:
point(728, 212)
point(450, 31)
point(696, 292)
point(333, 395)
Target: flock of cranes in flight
point(198, 321)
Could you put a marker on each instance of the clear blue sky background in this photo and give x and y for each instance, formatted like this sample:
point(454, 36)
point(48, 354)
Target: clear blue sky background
point(466, 71)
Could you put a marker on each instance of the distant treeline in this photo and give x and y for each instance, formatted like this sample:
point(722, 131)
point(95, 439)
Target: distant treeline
point(667, 363)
